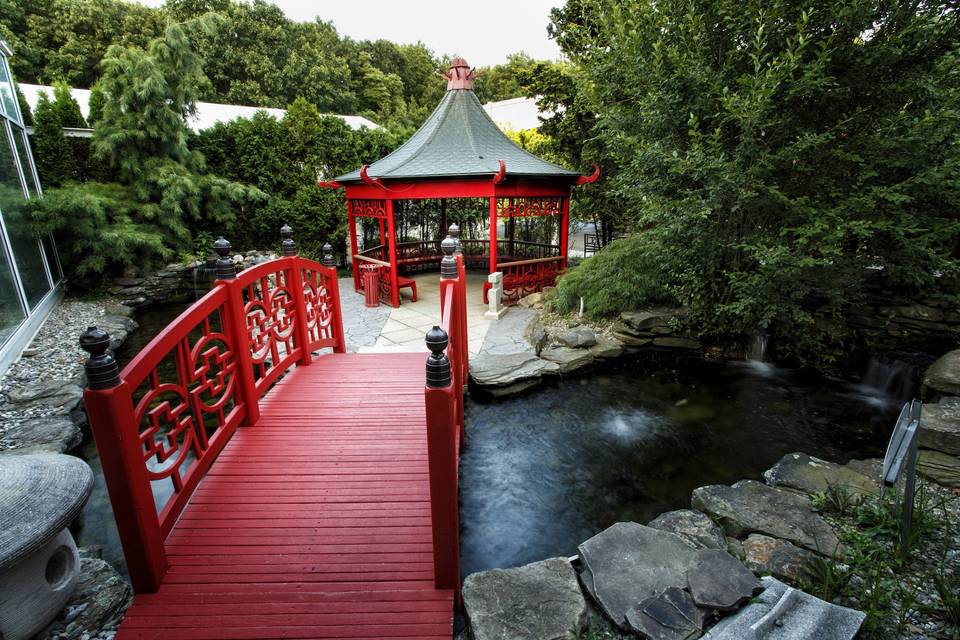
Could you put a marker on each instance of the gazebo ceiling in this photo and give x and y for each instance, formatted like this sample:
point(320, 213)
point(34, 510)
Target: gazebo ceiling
point(458, 140)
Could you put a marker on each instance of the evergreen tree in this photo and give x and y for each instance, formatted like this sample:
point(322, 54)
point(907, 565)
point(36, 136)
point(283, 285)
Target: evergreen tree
point(163, 187)
point(53, 153)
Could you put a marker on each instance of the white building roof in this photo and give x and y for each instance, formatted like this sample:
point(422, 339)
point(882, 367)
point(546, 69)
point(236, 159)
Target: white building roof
point(208, 113)
point(516, 114)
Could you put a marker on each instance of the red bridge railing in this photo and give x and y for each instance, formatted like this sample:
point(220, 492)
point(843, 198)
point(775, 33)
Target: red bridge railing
point(447, 371)
point(161, 422)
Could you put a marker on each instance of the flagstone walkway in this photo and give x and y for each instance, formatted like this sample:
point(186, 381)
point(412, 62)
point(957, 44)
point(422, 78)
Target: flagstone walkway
point(403, 329)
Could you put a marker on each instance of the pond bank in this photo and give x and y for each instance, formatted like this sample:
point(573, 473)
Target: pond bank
point(41, 411)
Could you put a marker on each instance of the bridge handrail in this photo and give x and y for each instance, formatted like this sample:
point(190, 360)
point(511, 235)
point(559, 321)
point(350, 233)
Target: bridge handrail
point(447, 370)
point(167, 415)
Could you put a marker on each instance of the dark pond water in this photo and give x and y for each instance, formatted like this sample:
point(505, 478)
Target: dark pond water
point(543, 472)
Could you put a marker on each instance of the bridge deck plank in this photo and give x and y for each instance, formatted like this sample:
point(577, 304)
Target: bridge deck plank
point(315, 522)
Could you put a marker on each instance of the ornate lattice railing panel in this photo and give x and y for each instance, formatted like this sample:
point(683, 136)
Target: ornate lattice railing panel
point(529, 207)
point(368, 208)
point(269, 309)
point(319, 296)
point(186, 401)
point(528, 276)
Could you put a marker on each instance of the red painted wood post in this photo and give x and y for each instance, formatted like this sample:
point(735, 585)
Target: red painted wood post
point(352, 225)
point(565, 233)
point(109, 405)
point(391, 232)
point(288, 248)
point(493, 234)
point(440, 402)
point(235, 328)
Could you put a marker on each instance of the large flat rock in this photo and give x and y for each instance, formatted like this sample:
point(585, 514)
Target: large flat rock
point(811, 475)
point(752, 507)
point(54, 434)
point(57, 394)
point(628, 563)
point(944, 374)
point(567, 359)
point(941, 468)
point(672, 615)
point(509, 369)
point(694, 526)
point(717, 580)
point(940, 427)
point(782, 613)
point(539, 601)
point(779, 558)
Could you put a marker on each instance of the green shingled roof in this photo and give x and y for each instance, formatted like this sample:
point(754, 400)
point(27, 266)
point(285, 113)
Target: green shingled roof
point(458, 140)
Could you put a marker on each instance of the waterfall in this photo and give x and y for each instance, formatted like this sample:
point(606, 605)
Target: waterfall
point(203, 274)
point(890, 379)
point(757, 351)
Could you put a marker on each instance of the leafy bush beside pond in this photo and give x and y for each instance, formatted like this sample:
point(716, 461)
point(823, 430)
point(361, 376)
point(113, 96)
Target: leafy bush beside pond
point(772, 155)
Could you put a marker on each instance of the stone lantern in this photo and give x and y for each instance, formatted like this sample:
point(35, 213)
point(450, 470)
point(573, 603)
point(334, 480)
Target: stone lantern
point(40, 495)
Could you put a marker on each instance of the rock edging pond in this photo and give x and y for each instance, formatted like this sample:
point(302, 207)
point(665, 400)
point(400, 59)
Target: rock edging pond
point(566, 345)
point(688, 569)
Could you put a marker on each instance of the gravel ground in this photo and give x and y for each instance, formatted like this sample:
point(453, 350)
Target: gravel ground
point(53, 355)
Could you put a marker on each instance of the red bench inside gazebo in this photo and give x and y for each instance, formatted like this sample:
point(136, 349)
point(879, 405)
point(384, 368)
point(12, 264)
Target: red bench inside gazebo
point(460, 156)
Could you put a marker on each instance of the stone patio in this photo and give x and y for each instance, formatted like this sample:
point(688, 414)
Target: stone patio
point(382, 328)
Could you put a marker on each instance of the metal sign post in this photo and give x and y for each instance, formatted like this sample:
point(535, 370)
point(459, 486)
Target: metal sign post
point(902, 452)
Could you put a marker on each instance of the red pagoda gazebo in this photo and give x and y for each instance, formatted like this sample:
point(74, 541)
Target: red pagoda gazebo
point(459, 164)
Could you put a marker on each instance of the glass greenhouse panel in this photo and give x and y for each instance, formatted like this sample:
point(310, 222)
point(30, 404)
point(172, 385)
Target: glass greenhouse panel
point(7, 95)
point(11, 310)
point(26, 248)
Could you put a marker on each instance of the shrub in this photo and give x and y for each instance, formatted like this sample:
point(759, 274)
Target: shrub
point(623, 276)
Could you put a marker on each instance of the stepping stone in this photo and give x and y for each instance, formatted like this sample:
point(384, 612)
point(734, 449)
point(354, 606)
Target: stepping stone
point(694, 526)
point(779, 558)
point(783, 613)
point(539, 601)
point(672, 615)
point(752, 507)
point(717, 580)
point(811, 475)
point(628, 563)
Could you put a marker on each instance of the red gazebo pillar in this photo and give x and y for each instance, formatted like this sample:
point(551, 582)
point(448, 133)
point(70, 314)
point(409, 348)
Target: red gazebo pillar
point(493, 234)
point(352, 224)
point(391, 238)
point(565, 232)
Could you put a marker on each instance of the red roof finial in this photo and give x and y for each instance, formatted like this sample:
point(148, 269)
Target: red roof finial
point(460, 75)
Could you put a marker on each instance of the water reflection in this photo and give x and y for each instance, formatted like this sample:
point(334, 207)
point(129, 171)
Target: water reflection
point(545, 471)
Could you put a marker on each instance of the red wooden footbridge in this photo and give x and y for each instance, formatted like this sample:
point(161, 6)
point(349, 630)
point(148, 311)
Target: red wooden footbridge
point(265, 483)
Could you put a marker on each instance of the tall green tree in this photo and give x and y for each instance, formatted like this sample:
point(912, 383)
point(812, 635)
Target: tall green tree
point(163, 191)
point(58, 157)
point(773, 155)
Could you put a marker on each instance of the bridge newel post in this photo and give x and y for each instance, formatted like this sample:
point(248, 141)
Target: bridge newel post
point(295, 282)
point(440, 400)
point(109, 405)
point(235, 328)
point(288, 247)
point(454, 232)
point(327, 260)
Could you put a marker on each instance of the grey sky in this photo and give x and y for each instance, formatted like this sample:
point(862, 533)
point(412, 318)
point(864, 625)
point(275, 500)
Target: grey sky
point(483, 33)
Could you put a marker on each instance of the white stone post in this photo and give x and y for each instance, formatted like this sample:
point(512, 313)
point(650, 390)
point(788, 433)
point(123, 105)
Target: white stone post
point(494, 296)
